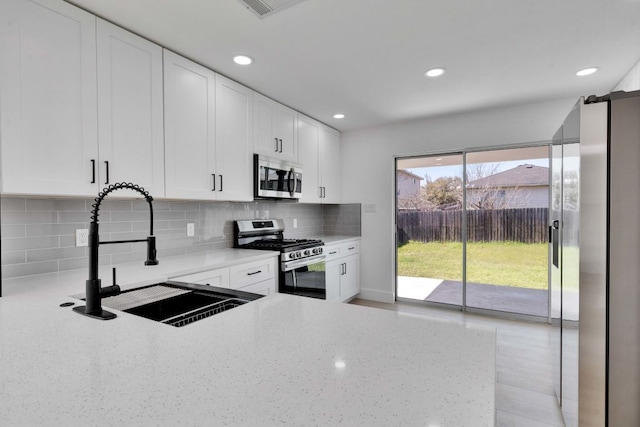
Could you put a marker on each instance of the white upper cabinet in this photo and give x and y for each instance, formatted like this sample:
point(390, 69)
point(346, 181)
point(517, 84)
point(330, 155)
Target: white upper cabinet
point(189, 102)
point(130, 110)
point(308, 141)
point(329, 160)
point(48, 118)
point(85, 104)
point(234, 140)
point(208, 133)
point(275, 129)
point(319, 148)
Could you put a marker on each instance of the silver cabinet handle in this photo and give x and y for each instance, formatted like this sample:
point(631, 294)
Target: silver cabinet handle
point(214, 182)
point(220, 183)
point(276, 150)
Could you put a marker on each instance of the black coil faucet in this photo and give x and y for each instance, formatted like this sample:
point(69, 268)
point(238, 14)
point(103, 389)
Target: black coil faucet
point(94, 292)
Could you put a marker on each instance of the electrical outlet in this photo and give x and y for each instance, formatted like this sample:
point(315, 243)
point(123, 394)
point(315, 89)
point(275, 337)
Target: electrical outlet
point(295, 222)
point(191, 229)
point(82, 237)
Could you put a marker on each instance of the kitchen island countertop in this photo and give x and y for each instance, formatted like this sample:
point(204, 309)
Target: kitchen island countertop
point(281, 360)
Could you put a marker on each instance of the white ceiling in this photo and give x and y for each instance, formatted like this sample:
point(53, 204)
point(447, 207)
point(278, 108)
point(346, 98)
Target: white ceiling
point(366, 58)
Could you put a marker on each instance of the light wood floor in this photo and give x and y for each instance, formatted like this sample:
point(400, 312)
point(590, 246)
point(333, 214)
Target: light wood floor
point(524, 385)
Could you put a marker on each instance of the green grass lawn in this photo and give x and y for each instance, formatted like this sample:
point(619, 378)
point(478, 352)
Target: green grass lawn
point(496, 263)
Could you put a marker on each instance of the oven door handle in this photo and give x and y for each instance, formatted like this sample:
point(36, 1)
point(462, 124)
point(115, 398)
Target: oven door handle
point(292, 265)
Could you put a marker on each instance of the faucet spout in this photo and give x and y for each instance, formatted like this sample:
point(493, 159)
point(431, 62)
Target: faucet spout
point(94, 291)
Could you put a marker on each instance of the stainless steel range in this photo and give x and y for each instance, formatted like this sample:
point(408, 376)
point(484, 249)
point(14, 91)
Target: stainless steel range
point(302, 261)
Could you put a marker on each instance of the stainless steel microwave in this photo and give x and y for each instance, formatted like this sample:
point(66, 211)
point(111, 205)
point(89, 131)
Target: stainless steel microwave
point(276, 179)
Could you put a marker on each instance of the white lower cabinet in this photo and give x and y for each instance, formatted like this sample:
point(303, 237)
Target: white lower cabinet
point(258, 277)
point(342, 271)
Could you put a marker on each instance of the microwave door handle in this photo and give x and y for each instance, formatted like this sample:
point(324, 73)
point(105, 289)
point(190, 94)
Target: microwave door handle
point(292, 177)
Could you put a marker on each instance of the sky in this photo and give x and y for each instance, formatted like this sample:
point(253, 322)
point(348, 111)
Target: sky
point(436, 172)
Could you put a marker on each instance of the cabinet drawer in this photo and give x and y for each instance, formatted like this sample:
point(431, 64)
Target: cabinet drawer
point(253, 272)
point(341, 250)
point(266, 287)
point(218, 277)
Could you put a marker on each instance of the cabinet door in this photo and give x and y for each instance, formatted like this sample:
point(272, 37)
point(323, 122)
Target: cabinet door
point(265, 142)
point(350, 277)
point(130, 110)
point(286, 122)
point(330, 165)
point(234, 140)
point(308, 138)
point(48, 106)
point(275, 129)
point(189, 91)
point(332, 280)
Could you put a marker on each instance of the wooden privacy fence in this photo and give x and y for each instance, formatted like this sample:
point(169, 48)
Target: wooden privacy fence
point(528, 225)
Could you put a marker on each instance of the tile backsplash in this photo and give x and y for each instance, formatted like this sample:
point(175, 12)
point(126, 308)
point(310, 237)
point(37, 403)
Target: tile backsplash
point(38, 234)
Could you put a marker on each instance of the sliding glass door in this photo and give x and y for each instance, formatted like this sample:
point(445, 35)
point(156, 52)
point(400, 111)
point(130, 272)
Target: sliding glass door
point(429, 194)
point(472, 230)
point(507, 205)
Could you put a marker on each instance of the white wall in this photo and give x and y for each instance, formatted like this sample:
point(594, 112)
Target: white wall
point(368, 169)
point(631, 81)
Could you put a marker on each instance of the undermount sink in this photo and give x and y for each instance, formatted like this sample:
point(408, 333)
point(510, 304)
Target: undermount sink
point(176, 303)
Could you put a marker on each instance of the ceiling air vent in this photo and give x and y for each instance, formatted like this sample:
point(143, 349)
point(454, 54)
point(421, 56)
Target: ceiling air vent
point(263, 8)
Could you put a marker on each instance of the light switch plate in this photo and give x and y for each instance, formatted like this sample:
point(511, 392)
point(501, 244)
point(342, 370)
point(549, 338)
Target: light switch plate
point(191, 229)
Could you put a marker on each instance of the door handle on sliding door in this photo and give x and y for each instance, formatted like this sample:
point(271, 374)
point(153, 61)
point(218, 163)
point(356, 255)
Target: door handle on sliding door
point(554, 232)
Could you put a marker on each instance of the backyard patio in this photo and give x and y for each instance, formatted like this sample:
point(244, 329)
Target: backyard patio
point(510, 299)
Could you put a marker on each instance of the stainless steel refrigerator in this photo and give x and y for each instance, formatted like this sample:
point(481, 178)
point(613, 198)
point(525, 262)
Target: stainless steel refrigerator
point(607, 131)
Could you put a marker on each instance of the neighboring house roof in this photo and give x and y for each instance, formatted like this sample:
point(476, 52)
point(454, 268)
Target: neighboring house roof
point(413, 175)
point(521, 176)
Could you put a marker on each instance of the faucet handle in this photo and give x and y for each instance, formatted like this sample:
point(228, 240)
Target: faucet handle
point(151, 251)
point(112, 290)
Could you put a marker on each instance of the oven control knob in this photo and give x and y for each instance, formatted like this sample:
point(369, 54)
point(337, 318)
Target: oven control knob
point(307, 252)
point(296, 254)
point(317, 251)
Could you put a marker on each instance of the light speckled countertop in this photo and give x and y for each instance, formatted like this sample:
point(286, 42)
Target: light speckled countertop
point(281, 360)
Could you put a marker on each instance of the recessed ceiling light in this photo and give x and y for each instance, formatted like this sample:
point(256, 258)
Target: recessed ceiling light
point(242, 59)
point(587, 71)
point(338, 116)
point(434, 72)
